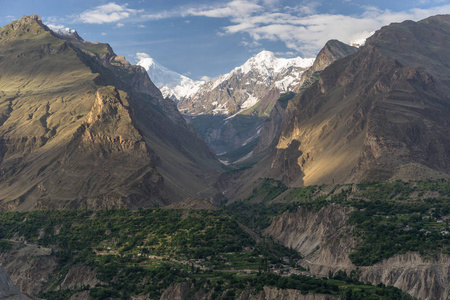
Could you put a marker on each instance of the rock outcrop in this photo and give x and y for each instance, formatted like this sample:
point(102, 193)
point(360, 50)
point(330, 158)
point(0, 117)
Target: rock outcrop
point(30, 267)
point(322, 237)
point(332, 51)
point(423, 278)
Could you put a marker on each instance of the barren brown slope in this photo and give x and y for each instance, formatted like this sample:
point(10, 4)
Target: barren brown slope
point(80, 127)
point(271, 130)
point(380, 113)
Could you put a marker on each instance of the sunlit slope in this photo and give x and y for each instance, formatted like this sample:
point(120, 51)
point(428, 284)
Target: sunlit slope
point(380, 113)
point(81, 127)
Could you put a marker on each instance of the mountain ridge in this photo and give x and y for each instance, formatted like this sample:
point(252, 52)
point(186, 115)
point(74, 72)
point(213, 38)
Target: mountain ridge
point(83, 127)
point(374, 114)
point(244, 86)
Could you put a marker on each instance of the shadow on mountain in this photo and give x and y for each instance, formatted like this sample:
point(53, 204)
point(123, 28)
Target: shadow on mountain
point(232, 138)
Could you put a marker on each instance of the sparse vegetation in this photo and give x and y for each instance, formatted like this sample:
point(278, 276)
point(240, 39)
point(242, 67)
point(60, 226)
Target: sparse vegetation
point(390, 217)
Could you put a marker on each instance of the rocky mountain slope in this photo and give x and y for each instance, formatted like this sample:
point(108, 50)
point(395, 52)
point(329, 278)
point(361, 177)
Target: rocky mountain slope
point(332, 51)
point(271, 130)
point(377, 114)
point(82, 127)
point(229, 111)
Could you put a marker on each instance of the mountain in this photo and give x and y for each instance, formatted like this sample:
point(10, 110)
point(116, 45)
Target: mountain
point(82, 127)
point(332, 51)
point(378, 114)
point(271, 130)
point(244, 87)
point(229, 112)
point(172, 84)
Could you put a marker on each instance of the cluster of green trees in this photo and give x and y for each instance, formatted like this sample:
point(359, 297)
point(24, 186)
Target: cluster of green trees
point(160, 231)
point(388, 228)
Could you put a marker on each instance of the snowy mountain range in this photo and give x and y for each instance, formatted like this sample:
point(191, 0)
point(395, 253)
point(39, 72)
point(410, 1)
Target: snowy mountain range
point(238, 90)
point(247, 85)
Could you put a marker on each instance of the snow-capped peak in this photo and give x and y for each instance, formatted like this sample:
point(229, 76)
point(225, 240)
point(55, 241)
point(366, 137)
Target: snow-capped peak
point(67, 31)
point(171, 83)
point(64, 32)
point(266, 64)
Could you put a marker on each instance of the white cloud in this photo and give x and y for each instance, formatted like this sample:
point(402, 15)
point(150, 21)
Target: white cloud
point(107, 13)
point(55, 27)
point(286, 54)
point(300, 28)
point(235, 8)
point(304, 30)
point(120, 25)
point(251, 44)
point(141, 26)
point(142, 55)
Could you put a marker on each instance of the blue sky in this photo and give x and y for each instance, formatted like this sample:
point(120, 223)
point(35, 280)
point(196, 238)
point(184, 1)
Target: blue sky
point(209, 38)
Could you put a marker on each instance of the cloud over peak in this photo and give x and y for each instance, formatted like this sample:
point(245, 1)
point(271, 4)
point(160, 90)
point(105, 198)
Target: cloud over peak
point(107, 13)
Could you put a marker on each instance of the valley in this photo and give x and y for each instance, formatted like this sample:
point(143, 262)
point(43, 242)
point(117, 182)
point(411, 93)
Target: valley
point(323, 178)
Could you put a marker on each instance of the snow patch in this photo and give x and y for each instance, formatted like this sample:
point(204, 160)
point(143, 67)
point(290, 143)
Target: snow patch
point(251, 100)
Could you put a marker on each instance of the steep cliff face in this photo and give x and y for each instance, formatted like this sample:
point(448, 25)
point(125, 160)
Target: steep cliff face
point(426, 279)
point(30, 267)
point(325, 241)
point(82, 127)
point(375, 114)
point(181, 291)
point(322, 237)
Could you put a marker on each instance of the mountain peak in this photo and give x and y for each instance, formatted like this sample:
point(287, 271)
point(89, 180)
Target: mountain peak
point(265, 62)
point(27, 25)
point(146, 61)
point(31, 18)
point(264, 56)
